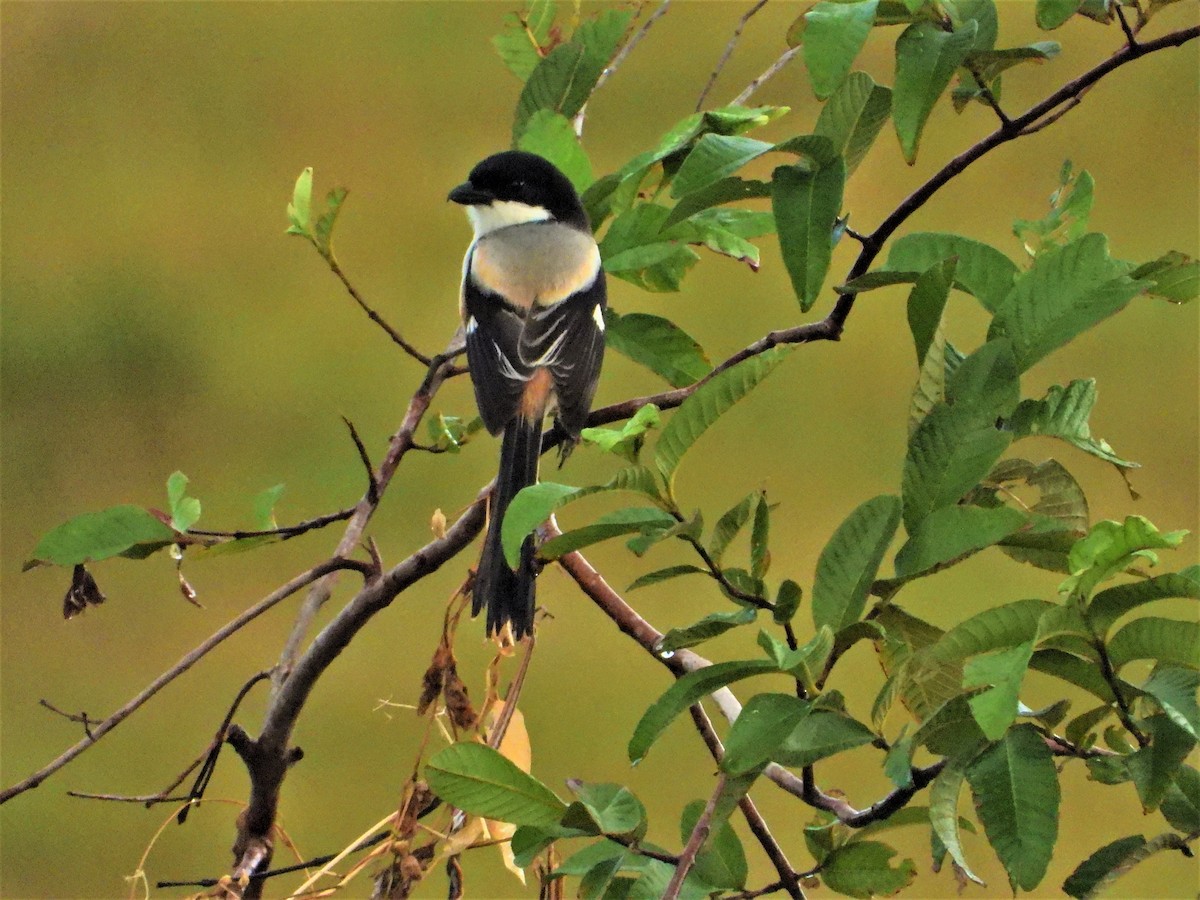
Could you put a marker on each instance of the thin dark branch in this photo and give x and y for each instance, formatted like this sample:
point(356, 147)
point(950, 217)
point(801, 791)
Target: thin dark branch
point(986, 93)
point(737, 33)
point(391, 332)
point(631, 43)
point(286, 532)
point(1124, 713)
point(81, 717)
point(1130, 36)
point(365, 459)
point(143, 799)
point(695, 841)
point(185, 663)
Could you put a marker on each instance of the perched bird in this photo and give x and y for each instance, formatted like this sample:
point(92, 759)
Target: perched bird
point(532, 304)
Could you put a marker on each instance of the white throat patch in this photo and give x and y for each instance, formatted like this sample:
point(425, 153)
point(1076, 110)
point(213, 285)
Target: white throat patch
point(502, 214)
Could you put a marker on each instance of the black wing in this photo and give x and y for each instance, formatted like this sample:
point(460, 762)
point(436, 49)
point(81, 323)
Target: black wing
point(568, 339)
point(493, 331)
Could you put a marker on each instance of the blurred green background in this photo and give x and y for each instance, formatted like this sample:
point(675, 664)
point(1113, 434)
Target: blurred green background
point(155, 317)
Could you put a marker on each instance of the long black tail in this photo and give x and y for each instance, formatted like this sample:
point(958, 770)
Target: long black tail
point(508, 594)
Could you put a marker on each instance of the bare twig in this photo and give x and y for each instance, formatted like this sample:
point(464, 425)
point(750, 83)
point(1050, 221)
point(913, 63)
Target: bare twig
point(286, 532)
point(986, 92)
point(364, 457)
point(81, 717)
point(631, 43)
point(771, 71)
point(695, 841)
point(737, 33)
point(188, 660)
point(391, 332)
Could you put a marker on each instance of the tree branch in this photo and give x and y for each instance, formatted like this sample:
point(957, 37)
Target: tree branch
point(737, 33)
point(102, 728)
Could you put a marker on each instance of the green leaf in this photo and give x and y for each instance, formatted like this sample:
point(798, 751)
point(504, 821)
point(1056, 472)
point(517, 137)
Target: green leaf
point(1175, 276)
point(1086, 880)
point(1017, 796)
point(864, 869)
point(1067, 291)
point(185, 510)
point(633, 249)
point(519, 45)
point(949, 452)
point(927, 303)
point(1074, 670)
point(635, 520)
point(787, 601)
point(943, 811)
point(853, 117)
point(760, 552)
point(299, 210)
point(264, 508)
point(1067, 220)
point(806, 205)
point(820, 735)
point(529, 509)
point(1051, 14)
point(952, 533)
point(722, 861)
point(1063, 413)
point(995, 628)
point(1003, 671)
point(564, 79)
point(707, 404)
point(658, 344)
point(1166, 640)
point(687, 529)
point(479, 781)
point(1154, 766)
point(850, 561)
point(833, 37)
point(990, 63)
point(710, 626)
point(982, 270)
point(714, 157)
point(1112, 547)
point(551, 136)
point(665, 574)
point(1112, 603)
point(730, 524)
point(926, 59)
point(1175, 690)
point(626, 441)
point(119, 530)
point(762, 726)
point(689, 688)
point(1060, 514)
point(726, 190)
point(613, 809)
point(807, 661)
point(323, 230)
point(1181, 804)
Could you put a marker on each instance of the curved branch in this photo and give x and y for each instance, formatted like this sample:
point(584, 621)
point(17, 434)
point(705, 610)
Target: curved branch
point(102, 728)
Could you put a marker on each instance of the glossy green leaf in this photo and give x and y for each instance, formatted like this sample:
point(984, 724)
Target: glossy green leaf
point(710, 626)
point(1002, 672)
point(719, 193)
point(1112, 547)
point(551, 136)
point(722, 861)
point(1169, 641)
point(529, 509)
point(119, 530)
point(927, 303)
point(1016, 791)
point(658, 344)
point(1154, 766)
point(853, 117)
point(850, 561)
point(926, 59)
point(1050, 14)
point(635, 250)
point(707, 404)
point(864, 869)
point(952, 533)
point(636, 520)
point(1112, 603)
point(612, 808)
point(665, 575)
point(765, 722)
point(833, 36)
point(820, 735)
point(995, 628)
point(713, 158)
point(806, 204)
point(982, 270)
point(479, 781)
point(1063, 413)
point(1175, 276)
point(300, 209)
point(1067, 291)
point(943, 812)
point(683, 693)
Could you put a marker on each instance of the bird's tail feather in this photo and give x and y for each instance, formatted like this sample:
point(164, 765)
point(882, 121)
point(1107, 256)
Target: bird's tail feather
point(508, 594)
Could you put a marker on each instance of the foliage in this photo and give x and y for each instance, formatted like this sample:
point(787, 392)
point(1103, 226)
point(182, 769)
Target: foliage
point(952, 696)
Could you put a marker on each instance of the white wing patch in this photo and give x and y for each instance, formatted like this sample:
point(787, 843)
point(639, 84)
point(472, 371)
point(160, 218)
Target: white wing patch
point(472, 324)
point(598, 317)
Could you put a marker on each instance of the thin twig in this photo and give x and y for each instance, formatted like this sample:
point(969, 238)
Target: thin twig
point(695, 841)
point(772, 70)
point(1130, 36)
point(985, 92)
point(631, 43)
point(391, 332)
point(285, 532)
point(1124, 713)
point(81, 717)
point(365, 459)
point(737, 33)
point(185, 663)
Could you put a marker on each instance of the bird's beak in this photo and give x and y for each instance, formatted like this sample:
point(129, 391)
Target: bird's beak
point(469, 195)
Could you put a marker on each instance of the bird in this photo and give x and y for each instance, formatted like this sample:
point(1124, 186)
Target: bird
point(532, 303)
